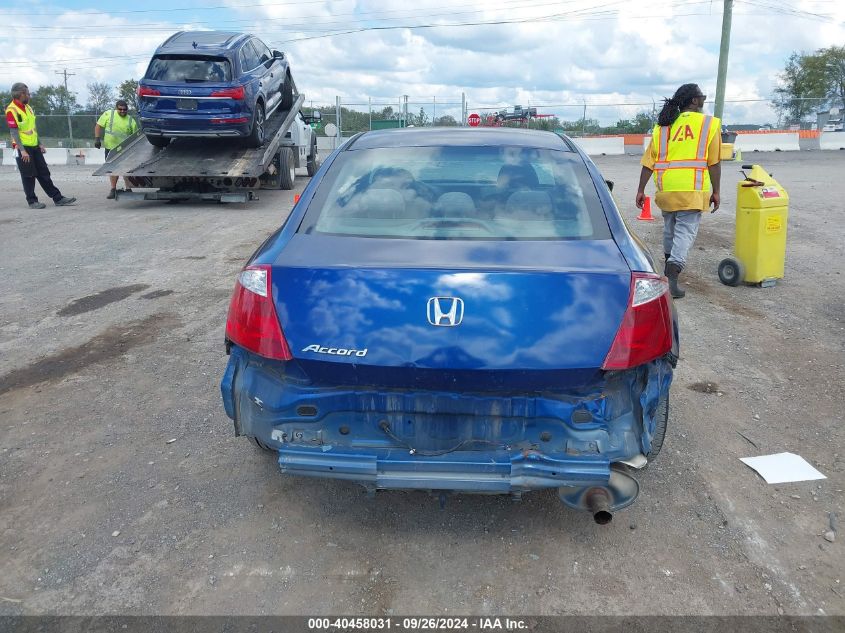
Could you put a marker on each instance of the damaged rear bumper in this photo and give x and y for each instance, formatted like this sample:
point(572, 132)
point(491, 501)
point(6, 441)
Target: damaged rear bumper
point(481, 442)
point(492, 472)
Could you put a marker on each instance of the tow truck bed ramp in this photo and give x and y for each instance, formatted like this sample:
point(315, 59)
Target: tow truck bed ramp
point(201, 168)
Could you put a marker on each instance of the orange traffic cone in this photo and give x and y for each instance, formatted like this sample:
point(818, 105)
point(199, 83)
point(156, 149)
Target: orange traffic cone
point(646, 212)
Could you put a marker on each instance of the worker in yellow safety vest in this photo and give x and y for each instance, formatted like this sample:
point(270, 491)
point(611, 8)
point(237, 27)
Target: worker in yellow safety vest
point(29, 152)
point(683, 155)
point(112, 128)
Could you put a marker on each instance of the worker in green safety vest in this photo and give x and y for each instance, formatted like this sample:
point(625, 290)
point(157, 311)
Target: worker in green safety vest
point(113, 127)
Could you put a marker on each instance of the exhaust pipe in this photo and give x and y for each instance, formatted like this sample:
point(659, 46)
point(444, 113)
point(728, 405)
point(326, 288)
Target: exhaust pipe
point(598, 502)
point(602, 501)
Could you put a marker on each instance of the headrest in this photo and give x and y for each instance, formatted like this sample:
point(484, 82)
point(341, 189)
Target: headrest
point(516, 176)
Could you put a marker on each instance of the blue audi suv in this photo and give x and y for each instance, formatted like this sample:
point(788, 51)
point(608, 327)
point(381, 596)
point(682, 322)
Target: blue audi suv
point(456, 310)
point(213, 84)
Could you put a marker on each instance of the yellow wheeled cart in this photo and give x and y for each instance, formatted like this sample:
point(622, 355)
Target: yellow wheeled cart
point(760, 241)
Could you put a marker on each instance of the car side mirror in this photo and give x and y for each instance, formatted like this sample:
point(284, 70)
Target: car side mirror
point(316, 115)
point(278, 55)
point(609, 184)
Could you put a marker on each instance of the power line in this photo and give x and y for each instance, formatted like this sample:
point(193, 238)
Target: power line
point(585, 13)
point(311, 19)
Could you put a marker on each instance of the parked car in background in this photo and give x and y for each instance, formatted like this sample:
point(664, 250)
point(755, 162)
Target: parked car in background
point(456, 310)
point(213, 84)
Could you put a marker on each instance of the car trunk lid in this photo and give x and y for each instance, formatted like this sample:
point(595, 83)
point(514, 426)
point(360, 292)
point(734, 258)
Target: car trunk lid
point(475, 315)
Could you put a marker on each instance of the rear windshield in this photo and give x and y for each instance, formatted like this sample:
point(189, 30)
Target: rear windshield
point(189, 68)
point(458, 193)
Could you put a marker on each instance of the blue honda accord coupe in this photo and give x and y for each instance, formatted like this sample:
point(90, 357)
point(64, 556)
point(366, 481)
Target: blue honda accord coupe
point(456, 310)
point(212, 84)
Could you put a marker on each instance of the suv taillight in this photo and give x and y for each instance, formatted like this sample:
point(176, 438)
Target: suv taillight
point(230, 93)
point(252, 322)
point(646, 330)
point(143, 91)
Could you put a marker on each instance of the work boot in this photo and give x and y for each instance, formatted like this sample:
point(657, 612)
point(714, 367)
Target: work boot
point(666, 257)
point(63, 201)
point(37, 205)
point(673, 269)
point(112, 194)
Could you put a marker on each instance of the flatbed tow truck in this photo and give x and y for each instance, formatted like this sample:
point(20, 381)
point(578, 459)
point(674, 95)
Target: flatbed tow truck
point(217, 169)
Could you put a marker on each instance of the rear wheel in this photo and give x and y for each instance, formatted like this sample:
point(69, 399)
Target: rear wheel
point(158, 141)
point(287, 93)
point(312, 165)
point(256, 135)
point(661, 421)
point(731, 271)
point(287, 168)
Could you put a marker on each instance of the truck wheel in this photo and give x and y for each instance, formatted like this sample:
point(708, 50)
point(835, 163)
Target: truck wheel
point(287, 94)
point(661, 421)
point(287, 168)
point(158, 141)
point(256, 135)
point(313, 165)
point(731, 271)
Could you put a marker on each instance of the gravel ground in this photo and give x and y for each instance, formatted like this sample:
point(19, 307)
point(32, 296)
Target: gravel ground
point(123, 490)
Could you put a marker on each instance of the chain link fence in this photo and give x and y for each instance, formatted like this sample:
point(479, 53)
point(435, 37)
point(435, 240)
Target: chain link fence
point(343, 119)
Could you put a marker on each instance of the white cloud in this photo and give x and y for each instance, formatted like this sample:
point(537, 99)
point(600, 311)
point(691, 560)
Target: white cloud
point(635, 55)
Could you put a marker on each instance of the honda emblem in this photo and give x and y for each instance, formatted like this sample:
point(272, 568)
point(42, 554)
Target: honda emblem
point(445, 311)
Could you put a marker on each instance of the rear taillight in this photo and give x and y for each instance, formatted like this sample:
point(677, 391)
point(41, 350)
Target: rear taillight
point(143, 91)
point(230, 93)
point(252, 322)
point(646, 330)
point(241, 119)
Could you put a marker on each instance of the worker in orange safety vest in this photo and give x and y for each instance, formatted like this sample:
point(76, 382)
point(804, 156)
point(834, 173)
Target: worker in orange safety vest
point(683, 156)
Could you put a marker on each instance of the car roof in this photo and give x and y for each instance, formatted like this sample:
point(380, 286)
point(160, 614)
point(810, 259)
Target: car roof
point(202, 41)
point(459, 136)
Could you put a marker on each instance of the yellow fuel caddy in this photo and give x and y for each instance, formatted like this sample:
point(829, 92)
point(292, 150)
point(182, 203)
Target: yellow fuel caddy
point(760, 241)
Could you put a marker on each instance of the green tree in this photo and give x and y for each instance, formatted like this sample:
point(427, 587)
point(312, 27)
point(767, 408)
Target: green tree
point(641, 123)
point(810, 81)
point(100, 97)
point(53, 100)
point(546, 123)
point(834, 61)
point(420, 120)
point(447, 120)
point(128, 91)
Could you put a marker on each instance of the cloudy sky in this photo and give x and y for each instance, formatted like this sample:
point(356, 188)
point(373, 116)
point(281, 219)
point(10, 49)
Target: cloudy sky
point(617, 57)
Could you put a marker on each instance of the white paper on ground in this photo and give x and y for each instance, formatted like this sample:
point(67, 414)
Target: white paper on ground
point(782, 468)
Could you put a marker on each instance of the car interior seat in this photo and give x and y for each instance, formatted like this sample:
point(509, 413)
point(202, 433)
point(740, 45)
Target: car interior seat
point(377, 204)
point(417, 203)
point(529, 205)
point(455, 204)
point(513, 177)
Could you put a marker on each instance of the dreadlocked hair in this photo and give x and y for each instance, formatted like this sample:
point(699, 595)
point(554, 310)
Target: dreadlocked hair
point(680, 100)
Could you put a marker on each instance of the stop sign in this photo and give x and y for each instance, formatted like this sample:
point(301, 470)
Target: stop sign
point(474, 120)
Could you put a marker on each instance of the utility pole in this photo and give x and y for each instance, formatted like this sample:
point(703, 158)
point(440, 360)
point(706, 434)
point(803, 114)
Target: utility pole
point(584, 119)
point(723, 58)
point(67, 108)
